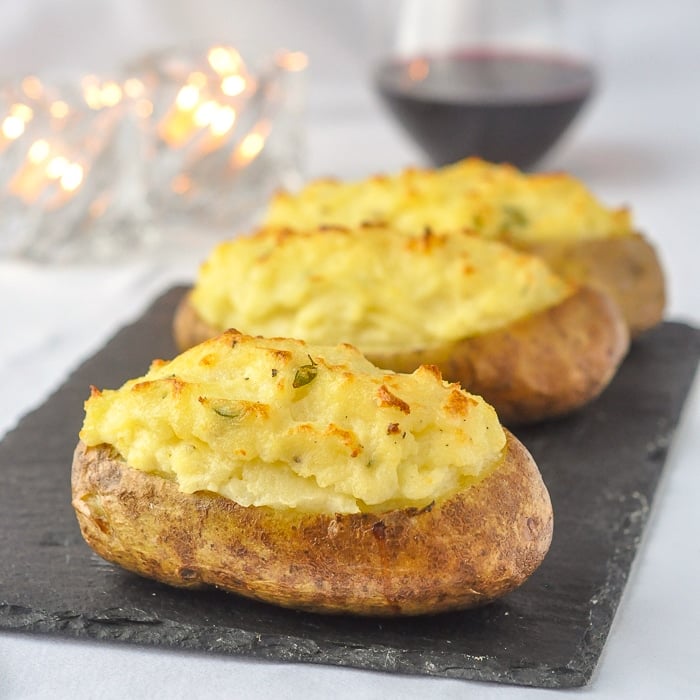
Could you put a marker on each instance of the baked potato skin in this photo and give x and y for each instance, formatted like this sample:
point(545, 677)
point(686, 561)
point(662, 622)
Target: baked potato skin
point(627, 268)
point(189, 328)
point(459, 553)
point(543, 366)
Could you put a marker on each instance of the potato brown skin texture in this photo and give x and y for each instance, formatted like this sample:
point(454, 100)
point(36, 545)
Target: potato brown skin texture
point(189, 328)
point(627, 268)
point(459, 553)
point(542, 366)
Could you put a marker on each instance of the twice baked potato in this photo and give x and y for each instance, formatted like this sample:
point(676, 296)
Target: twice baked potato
point(549, 214)
point(306, 477)
point(498, 321)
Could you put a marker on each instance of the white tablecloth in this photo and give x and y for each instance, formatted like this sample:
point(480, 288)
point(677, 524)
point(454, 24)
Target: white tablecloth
point(639, 144)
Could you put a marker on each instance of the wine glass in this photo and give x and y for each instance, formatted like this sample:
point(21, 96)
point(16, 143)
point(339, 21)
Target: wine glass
point(498, 79)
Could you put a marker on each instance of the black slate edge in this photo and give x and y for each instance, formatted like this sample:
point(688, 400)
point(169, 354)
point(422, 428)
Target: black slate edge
point(137, 627)
point(134, 625)
point(606, 600)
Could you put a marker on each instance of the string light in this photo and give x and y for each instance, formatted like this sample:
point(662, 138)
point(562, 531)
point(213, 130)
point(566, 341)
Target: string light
point(200, 118)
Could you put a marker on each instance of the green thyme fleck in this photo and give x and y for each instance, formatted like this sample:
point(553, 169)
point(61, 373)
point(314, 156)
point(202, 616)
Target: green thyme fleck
point(514, 217)
point(226, 412)
point(305, 374)
point(223, 407)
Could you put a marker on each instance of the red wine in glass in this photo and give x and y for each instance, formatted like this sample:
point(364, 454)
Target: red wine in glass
point(500, 106)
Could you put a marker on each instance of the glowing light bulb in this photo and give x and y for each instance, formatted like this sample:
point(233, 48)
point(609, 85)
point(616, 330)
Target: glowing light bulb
point(293, 60)
point(233, 85)
point(205, 113)
point(32, 87)
point(110, 94)
point(12, 127)
point(418, 69)
point(56, 167)
point(39, 151)
point(22, 111)
point(251, 145)
point(223, 121)
point(224, 60)
point(133, 88)
point(187, 98)
point(59, 109)
point(93, 96)
point(72, 177)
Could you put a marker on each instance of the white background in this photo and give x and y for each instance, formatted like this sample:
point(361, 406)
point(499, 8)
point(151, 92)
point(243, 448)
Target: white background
point(638, 144)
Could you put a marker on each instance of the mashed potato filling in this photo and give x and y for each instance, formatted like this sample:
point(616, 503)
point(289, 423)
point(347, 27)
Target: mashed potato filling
point(378, 289)
point(279, 423)
point(494, 201)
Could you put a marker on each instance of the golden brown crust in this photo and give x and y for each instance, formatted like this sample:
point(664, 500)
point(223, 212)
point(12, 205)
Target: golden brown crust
point(542, 366)
point(626, 267)
point(463, 552)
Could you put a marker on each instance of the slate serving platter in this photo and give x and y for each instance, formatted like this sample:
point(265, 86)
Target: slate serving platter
point(602, 467)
